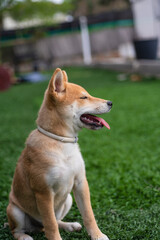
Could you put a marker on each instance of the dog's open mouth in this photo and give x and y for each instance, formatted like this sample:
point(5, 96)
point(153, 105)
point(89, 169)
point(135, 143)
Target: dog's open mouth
point(93, 121)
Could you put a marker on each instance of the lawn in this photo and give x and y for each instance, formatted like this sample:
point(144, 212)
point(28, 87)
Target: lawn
point(123, 164)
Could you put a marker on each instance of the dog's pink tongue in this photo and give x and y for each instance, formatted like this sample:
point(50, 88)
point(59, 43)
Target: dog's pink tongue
point(103, 122)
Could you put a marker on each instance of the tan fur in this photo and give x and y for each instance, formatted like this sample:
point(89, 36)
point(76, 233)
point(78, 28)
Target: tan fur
point(48, 170)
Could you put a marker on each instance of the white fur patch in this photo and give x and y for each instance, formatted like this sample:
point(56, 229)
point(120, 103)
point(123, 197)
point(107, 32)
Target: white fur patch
point(68, 167)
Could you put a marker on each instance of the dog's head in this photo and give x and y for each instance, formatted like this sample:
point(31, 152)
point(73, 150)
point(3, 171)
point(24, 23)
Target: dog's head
point(70, 106)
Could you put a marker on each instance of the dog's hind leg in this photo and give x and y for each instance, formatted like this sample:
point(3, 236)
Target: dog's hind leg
point(68, 226)
point(16, 219)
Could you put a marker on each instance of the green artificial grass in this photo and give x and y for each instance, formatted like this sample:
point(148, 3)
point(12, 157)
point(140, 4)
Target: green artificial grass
point(123, 164)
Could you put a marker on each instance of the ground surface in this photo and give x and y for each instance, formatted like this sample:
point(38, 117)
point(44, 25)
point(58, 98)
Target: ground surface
point(123, 164)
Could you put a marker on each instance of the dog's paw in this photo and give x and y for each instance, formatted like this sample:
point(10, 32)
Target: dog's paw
point(71, 227)
point(102, 237)
point(25, 237)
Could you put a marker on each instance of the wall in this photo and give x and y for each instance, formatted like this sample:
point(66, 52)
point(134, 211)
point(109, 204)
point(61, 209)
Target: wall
point(68, 46)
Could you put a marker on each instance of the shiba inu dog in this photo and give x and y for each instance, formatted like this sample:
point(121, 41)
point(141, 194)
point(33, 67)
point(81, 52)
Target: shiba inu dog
point(51, 165)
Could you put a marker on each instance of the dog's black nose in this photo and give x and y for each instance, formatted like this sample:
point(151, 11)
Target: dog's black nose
point(109, 103)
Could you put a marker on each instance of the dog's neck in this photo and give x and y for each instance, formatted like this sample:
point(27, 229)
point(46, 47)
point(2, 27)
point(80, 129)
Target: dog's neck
point(53, 123)
point(58, 138)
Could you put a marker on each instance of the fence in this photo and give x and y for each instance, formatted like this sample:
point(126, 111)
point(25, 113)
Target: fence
point(63, 42)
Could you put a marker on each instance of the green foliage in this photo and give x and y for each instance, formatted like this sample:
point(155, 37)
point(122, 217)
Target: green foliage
point(122, 164)
point(29, 9)
point(4, 4)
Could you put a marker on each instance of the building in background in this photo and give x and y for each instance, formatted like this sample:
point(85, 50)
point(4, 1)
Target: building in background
point(91, 7)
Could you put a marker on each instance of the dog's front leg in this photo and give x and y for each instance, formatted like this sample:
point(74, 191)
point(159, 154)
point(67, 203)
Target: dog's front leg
point(82, 197)
point(45, 203)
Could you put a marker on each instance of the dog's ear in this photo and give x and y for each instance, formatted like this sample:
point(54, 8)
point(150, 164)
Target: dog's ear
point(57, 83)
point(65, 76)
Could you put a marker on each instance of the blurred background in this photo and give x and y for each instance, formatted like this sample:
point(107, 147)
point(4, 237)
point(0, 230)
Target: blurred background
point(112, 49)
point(42, 34)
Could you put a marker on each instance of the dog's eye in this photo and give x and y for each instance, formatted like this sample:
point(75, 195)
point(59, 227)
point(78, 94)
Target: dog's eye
point(84, 97)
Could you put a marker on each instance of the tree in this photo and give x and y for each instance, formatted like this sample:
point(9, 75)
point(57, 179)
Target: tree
point(29, 9)
point(4, 4)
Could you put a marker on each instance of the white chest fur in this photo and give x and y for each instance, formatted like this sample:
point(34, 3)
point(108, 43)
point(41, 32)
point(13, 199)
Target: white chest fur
point(67, 167)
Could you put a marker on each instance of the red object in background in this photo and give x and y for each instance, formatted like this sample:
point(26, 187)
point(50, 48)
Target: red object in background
point(5, 82)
